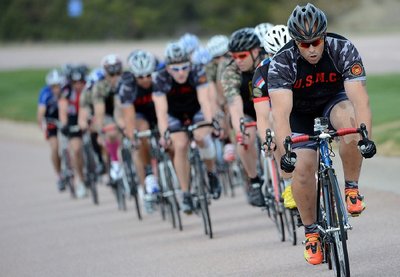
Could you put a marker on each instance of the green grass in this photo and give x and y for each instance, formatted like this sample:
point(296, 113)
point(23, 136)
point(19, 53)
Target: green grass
point(19, 92)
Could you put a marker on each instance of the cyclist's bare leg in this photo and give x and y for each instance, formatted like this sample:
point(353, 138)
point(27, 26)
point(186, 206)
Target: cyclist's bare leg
point(342, 116)
point(142, 155)
point(304, 184)
point(180, 144)
point(55, 157)
point(77, 158)
point(248, 156)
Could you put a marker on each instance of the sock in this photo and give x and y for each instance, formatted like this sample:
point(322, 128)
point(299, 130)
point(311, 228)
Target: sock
point(312, 228)
point(287, 182)
point(255, 180)
point(351, 185)
point(112, 149)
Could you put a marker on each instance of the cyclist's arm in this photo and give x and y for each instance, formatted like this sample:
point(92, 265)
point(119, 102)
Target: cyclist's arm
point(235, 107)
point(129, 115)
point(357, 93)
point(63, 111)
point(203, 96)
point(99, 112)
point(282, 103)
point(161, 107)
point(263, 116)
point(40, 114)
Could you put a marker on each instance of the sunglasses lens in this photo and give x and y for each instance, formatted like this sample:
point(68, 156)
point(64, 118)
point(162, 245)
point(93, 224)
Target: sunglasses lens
point(314, 43)
point(240, 56)
point(178, 68)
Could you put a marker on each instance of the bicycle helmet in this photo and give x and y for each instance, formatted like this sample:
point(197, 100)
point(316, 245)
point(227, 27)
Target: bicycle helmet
point(201, 56)
point(78, 73)
point(190, 42)
point(262, 29)
point(141, 63)
point(95, 75)
point(307, 23)
point(55, 77)
point(112, 64)
point(275, 38)
point(175, 53)
point(243, 39)
point(218, 45)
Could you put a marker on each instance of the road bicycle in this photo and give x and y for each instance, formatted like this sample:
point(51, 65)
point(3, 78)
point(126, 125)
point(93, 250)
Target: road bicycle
point(332, 218)
point(199, 184)
point(90, 166)
point(168, 182)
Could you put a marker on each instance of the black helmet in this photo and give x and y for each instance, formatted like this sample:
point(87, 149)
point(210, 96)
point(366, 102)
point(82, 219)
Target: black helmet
point(243, 40)
point(78, 73)
point(306, 23)
point(176, 53)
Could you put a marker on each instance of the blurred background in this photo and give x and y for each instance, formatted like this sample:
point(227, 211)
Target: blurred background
point(80, 20)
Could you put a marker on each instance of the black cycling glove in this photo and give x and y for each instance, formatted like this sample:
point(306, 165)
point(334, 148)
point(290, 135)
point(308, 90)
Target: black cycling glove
point(288, 163)
point(65, 130)
point(367, 148)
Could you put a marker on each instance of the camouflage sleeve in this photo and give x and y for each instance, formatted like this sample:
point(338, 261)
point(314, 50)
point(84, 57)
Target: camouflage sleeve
point(230, 81)
point(348, 59)
point(282, 71)
point(221, 68)
point(98, 92)
point(211, 70)
point(127, 92)
point(85, 100)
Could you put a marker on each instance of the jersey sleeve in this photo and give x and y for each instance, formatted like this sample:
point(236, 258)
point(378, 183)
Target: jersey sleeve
point(200, 75)
point(162, 82)
point(282, 71)
point(44, 96)
point(231, 81)
point(127, 90)
point(259, 83)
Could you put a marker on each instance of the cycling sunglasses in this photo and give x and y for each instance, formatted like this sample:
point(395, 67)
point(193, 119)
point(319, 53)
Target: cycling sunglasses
point(314, 43)
point(144, 76)
point(178, 68)
point(240, 55)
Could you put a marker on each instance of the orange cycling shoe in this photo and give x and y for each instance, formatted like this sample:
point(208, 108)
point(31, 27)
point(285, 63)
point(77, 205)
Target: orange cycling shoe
point(354, 201)
point(313, 252)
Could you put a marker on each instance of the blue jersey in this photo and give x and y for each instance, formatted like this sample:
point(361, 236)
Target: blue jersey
point(47, 99)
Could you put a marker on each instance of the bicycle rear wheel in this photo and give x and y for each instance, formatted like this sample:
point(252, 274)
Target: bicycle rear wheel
point(342, 265)
point(172, 199)
point(90, 172)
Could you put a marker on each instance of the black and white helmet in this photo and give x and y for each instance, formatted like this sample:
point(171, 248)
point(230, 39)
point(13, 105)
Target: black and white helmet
point(55, 77)
point(112, 64)
point(275, 38)
point(262, 29)
point(141, 63)
point(176, 53)
point(243, 40)
point(218, 45)
point(307, 23)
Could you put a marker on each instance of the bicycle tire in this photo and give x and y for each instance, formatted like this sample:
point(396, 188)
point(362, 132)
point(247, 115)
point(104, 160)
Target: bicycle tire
point(339, 238)
point(68, 174)
point(120, 194)
point(130, 176)
point(202, 197)
point(90, 170)
point(172, 199)
point(166, 205)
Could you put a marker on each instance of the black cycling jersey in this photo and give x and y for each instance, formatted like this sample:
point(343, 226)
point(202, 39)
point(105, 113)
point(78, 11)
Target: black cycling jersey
point(260, 83)
point(131, 93)
point(314, 86)
point(182, 98)
point(73, 103)
point(246, 92)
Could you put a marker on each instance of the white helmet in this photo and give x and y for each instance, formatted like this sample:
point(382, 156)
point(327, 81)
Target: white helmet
point(275, 38)
point(190, 42)
point(201, 56)
point(141, 63)
point(262, 29)
point(55, 77)
point(218, 45)
point(112, 64)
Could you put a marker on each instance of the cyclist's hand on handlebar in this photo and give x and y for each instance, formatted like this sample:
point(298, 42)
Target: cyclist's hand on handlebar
point(288, 162)
point(367, 148)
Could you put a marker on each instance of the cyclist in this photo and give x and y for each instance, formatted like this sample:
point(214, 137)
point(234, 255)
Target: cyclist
point(319, 74)
point(48, 111)
point(104, 97)
point(86, 113)
point(244, 46)
point(139, 114)
point(68, 116)
point(262, 30)
point(219, 51)
point(181, 97)
point(273, 40)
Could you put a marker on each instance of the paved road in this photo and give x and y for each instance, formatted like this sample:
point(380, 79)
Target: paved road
point(45, 233)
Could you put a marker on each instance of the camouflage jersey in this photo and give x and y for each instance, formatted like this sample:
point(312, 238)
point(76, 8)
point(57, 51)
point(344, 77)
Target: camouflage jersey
point(214, 71)
point(314, 86)
point(103, 92)
point(182, 98)
point(235, 83)
point(130, 93)
point(260, 84)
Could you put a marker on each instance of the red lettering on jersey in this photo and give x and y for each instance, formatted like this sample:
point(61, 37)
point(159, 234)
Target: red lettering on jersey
point(297, 84)
point(140, 101)
point(320, 77)
point(332, 77)
point(309, 80)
